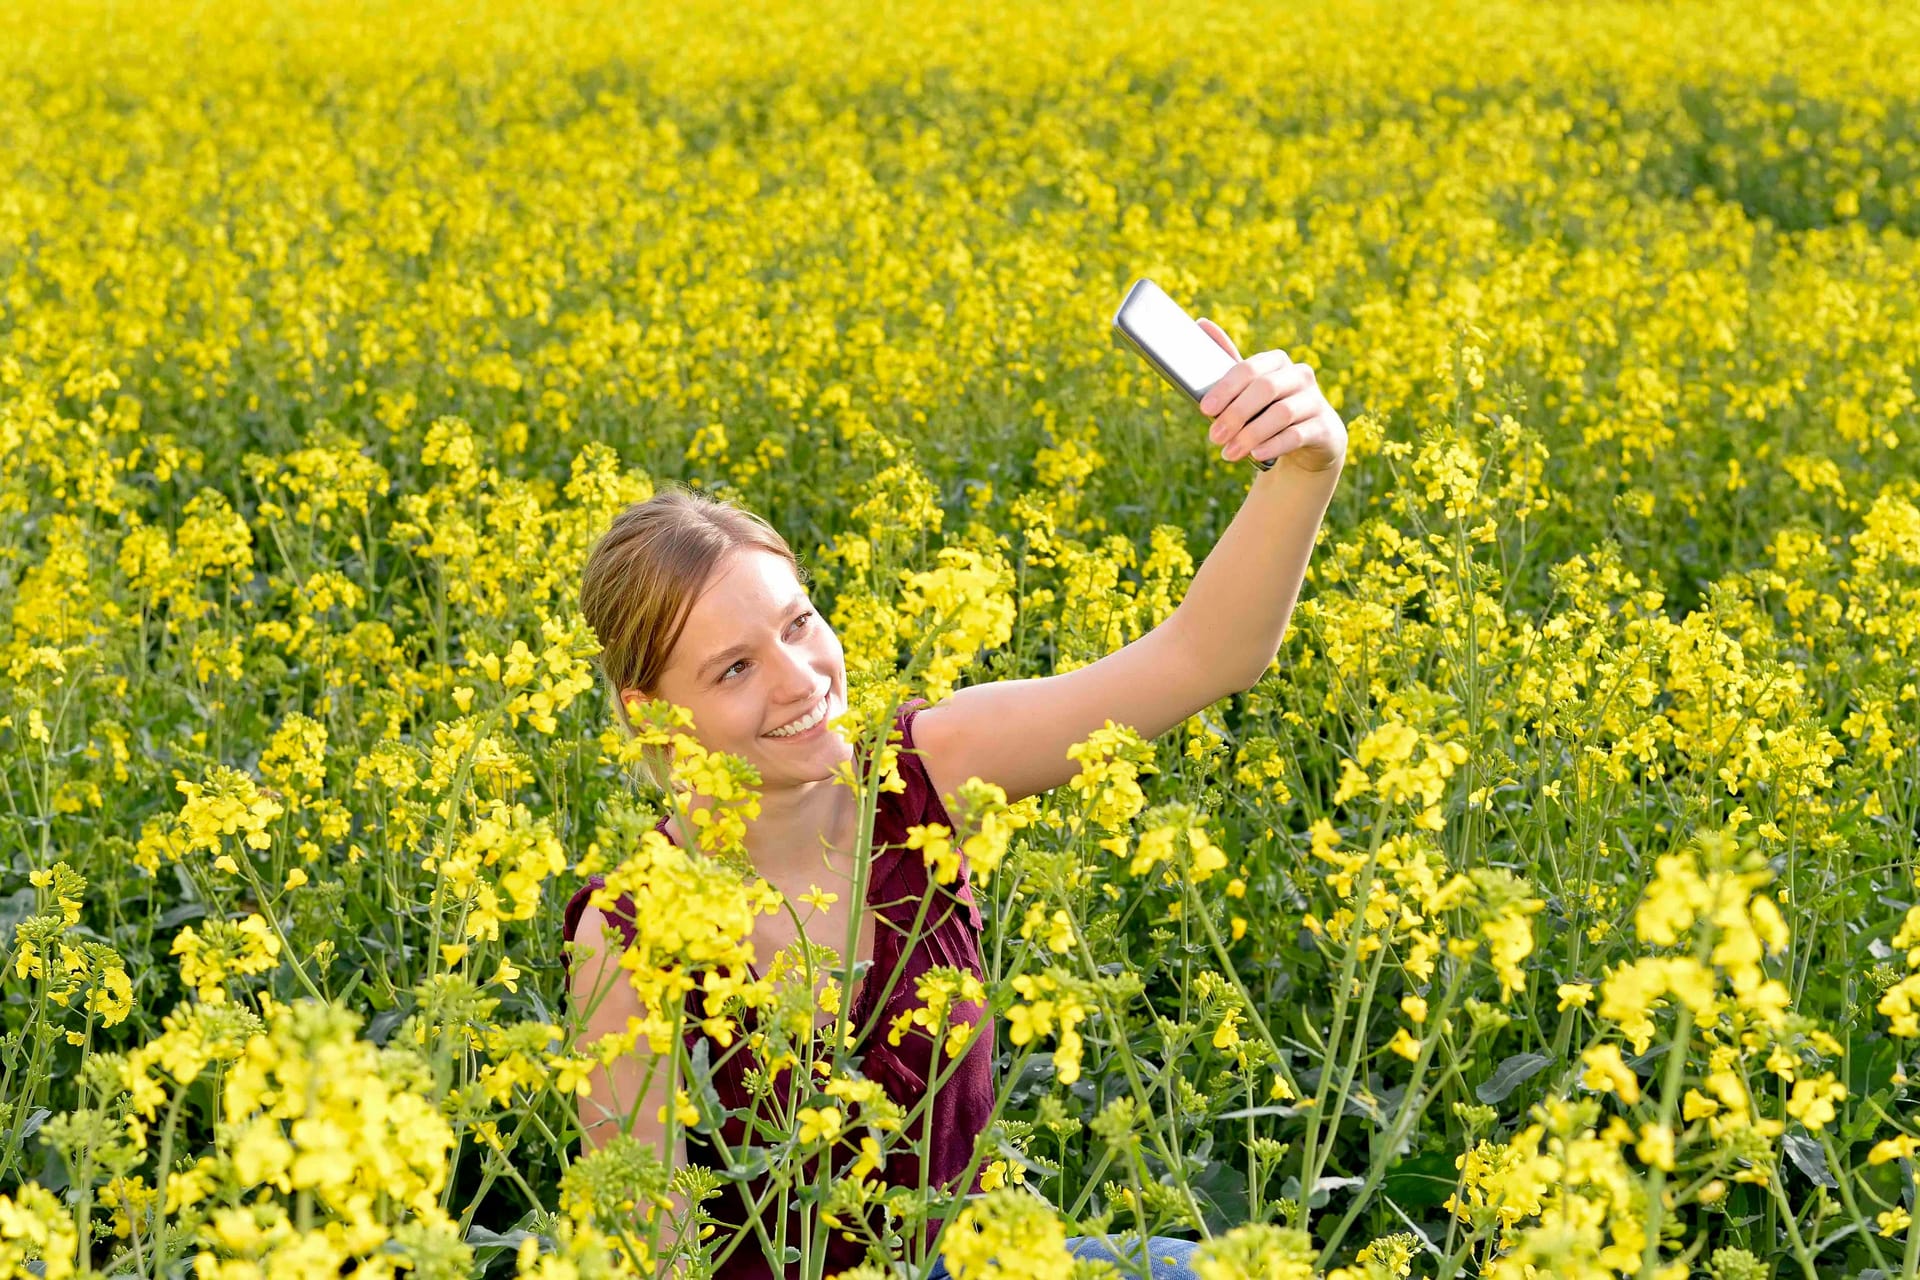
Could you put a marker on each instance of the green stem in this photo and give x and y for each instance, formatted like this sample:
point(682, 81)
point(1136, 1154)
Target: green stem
point(1676, 1066)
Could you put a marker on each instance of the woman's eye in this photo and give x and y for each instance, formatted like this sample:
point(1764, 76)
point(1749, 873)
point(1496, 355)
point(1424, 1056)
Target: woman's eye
point(728, 673)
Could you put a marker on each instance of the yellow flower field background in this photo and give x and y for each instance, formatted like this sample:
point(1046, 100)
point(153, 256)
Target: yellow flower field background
point(1548, 909)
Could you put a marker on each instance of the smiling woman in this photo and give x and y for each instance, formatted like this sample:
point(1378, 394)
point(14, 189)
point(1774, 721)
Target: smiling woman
point(704, 604)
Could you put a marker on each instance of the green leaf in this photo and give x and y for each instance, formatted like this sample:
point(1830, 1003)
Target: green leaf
point(1510, 1075)
point(1423, 1182)
point(1809, 1158)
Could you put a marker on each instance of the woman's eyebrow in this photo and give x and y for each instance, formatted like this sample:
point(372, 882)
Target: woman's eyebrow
point(734, 651)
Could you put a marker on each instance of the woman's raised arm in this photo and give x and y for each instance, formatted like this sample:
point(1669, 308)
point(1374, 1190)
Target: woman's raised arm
point(1219, 640)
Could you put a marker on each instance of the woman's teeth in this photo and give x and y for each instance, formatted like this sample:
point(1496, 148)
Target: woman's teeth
point(802, 725)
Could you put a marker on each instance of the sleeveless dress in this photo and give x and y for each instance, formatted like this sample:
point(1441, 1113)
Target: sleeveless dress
point(949, 935)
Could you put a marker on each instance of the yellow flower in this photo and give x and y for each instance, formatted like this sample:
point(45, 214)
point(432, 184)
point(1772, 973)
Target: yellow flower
point(507, 975)
point(869, 1158)
point(32, 1218)
point(1207, 857)
point(969, 595)
point(819, 1124)
point(1257, 1251)
point(1510, 940)
point(572, 1075)
point(227, 804)
point(1050, 1001)
point(112, 999)
point(1008, 1233)
point(1655, 1147)
point(224, 949)
point(1111, 760)
point(1607, 1072)
point(1899, 1147)
point(936, 849)
point(1574, 995)
point(684, 1112)
point(1058, 927)
point(1900, 1003)
point(1813, 1101)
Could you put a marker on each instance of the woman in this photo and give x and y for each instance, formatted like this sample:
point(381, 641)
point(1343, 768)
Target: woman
point(705, 606)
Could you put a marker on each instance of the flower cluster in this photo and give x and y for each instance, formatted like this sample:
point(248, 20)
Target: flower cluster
point(691, 914)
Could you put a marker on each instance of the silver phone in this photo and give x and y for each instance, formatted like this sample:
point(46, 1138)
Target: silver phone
point(1171, 341)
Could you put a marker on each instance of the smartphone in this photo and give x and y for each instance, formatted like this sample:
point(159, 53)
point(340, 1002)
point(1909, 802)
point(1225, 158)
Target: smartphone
point(1170, 340)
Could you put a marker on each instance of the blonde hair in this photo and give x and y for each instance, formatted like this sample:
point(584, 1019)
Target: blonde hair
point(642, 578)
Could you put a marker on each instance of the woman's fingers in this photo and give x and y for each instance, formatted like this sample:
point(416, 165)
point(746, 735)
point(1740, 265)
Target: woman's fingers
point(1224, 395)
point(1256, 394)
point(1259, 436)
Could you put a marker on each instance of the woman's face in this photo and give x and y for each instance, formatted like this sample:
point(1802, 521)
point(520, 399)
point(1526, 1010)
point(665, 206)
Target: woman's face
point(755, 658)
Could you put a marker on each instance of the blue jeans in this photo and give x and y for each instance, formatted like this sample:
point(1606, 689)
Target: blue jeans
point(1167, 1258)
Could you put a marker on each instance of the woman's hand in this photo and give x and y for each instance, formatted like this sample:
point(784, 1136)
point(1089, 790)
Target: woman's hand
point(1270, 408)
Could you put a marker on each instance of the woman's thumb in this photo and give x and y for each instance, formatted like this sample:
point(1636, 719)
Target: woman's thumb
point(1219, 337)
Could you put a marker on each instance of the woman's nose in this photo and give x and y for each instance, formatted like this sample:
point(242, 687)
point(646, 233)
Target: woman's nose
point(797, 679)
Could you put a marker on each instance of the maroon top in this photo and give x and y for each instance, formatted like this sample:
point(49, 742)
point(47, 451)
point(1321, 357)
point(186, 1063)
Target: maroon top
point(950, 935)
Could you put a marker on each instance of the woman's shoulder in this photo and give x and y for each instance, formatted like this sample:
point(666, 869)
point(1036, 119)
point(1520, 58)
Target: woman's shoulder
point(621, 915)
point(918, 804)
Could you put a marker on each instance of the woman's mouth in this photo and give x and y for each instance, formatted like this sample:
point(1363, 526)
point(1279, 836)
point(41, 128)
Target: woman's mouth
point(810, 725)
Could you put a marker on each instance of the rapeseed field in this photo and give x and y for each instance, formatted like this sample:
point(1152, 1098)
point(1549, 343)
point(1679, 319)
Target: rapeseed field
point(1550, 908)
